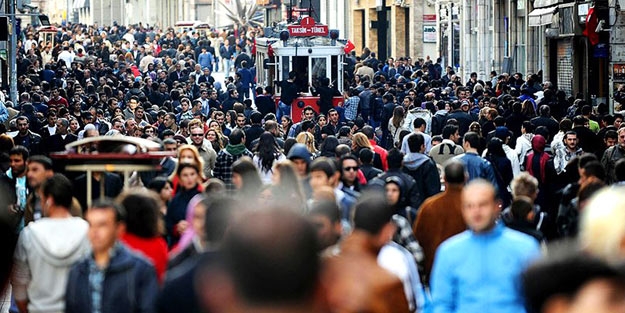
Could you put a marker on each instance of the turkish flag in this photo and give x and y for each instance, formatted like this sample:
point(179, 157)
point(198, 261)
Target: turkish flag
point(349, 46)
point(591, 24)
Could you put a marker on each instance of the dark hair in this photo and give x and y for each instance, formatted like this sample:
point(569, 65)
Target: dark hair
point(183, 165)
point(365, 156)
point(520, 208)
point(272, 257)
point(529, 127)
point(20, 150)
point(158, 183)
point(594, 168)
point(326, 208)
point(249, 175)
point(324, 165)
point(454, 172)
point(449, 130)
point(236, 137)
point(394, 159)
point(472, 138)
point(562, 273)
point(587, 191)
point(348, 157)
point(565, 125)
point(59, 188)
point(372, 213)
point(368, 131)
point(619, 170)
point(415, 141)
point(418, 122)
point(143, 212)
point(43, 160)
point(256, 117)
point(495, 147)
point(267, 151)
point(288, 144)
point(328, 146)
point(109, 204)
point(219, 212)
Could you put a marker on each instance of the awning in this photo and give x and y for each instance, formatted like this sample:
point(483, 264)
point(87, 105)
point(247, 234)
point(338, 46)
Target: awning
point(542, 16)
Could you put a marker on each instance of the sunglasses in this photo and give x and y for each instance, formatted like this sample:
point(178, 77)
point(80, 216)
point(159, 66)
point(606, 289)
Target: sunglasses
point(351, 168)
point(197, 135)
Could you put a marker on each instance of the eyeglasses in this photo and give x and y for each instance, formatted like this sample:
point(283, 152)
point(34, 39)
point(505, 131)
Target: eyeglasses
point(351, 168)
point(196, 135)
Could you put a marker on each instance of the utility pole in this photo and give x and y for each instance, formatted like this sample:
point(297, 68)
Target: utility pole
point(13, 53)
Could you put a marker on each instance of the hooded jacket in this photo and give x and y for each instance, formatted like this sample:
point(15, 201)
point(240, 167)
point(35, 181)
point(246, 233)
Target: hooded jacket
point(44, 255)
point(425, 173)
point(537, 159)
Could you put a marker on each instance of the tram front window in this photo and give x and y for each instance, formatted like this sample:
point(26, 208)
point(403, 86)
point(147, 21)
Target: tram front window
point(300, 66)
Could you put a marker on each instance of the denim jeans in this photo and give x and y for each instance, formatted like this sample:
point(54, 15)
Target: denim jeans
point(283, 109)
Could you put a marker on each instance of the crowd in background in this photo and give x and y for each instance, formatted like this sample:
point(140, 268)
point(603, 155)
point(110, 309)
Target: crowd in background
point(417, 192)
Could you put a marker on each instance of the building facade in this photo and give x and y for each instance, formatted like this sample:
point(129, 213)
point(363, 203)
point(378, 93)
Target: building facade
point(394, 28)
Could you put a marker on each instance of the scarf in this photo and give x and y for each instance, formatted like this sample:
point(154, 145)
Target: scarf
point(235, 149)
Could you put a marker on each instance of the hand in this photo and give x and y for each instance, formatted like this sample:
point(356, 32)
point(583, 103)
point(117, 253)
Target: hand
point(14, 209)
point(182, 226)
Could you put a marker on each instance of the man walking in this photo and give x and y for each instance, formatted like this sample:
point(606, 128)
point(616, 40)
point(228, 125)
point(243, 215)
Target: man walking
point(111, 279)
point(479, 269)
point(46, 250)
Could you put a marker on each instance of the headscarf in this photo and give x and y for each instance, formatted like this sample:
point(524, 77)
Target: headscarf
point(187, 237)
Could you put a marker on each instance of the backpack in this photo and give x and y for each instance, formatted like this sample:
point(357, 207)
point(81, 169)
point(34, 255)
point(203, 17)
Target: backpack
point(438, 122)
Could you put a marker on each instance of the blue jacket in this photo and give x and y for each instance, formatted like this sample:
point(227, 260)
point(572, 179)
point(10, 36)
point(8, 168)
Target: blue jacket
point(130, 285)
point(480, 273)
point(478, 167)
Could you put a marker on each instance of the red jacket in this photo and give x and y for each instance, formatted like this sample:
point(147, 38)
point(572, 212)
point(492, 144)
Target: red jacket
point(382, 152)
point(153, 249)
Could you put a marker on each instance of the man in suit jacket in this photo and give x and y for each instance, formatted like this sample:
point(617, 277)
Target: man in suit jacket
point(62, 137)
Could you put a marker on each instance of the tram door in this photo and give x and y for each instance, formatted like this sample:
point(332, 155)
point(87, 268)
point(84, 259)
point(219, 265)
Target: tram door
point(300, 66)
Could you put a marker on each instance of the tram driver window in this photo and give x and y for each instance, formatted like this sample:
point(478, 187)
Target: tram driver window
point(300, 66)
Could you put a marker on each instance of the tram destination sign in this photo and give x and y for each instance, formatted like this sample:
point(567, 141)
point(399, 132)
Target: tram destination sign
point(307, 27)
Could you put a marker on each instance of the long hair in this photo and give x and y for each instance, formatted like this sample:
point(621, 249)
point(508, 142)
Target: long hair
point(288, 189)
point(398, 116)
point(267, 150)
point(360, 140)
point(308, 139)
point(249, 176)
point(197, 159)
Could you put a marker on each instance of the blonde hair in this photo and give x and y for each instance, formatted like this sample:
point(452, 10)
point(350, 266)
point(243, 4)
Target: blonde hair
point(307, 139)
point(524, 184)
point(360, 140)
point(197, 159)
point(602, 224)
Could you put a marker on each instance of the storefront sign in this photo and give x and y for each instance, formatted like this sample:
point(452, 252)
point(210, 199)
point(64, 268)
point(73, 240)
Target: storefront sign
point(429, 33)
point(307, 27)
point(429, 18)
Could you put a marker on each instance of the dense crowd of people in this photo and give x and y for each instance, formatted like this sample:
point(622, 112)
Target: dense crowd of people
point(418, 192)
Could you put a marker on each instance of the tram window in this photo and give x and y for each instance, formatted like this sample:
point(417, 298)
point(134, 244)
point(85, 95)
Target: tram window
point(318, 69)
point(285, 68)
point(334, 71)
point(300, 66)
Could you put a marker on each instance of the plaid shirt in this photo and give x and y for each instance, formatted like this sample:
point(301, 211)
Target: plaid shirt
point(223, 166)
point(351, 107)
